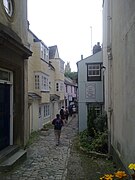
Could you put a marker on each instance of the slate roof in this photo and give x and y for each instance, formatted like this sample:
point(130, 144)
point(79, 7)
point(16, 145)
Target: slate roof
point(69, 81)
point(52, 51)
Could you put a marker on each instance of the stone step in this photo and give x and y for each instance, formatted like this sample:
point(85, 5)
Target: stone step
point(7, 152)
point(13, 160)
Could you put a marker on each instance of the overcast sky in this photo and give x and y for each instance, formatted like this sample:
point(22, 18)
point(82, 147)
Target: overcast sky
point(67, 24)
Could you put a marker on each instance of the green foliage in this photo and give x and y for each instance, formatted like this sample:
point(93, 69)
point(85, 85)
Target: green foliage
point(72, 75)
point(90, 121)
point(100, 123)
point(98, 143)
point(33, 137)
point(95, 138)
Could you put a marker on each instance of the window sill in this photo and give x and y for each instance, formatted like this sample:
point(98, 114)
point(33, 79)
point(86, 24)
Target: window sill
point(45, 91)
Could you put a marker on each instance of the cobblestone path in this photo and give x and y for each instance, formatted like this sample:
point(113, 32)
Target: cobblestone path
point(45, 160)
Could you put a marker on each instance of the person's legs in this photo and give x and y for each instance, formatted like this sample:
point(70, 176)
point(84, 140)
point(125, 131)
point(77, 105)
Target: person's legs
point(63, 119)
point(59, 133)
point(56, 136)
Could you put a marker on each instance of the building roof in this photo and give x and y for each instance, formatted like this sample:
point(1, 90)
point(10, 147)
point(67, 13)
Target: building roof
point(52, 51)
point(54, 97)
point(69, 81)
point(34, 95)
point(36, 39)
point(91, 56)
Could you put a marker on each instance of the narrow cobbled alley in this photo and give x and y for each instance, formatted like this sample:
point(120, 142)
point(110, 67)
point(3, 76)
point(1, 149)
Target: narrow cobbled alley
point(47, 161)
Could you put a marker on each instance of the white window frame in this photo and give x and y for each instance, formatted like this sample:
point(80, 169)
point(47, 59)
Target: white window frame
point(41, 82)
point(44, 52)
point(60, 86)
point(94, 70)
point(98, 109)
point(46, 110)
point(37, 81)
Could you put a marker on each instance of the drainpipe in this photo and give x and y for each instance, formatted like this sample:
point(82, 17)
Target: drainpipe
point(109, 55)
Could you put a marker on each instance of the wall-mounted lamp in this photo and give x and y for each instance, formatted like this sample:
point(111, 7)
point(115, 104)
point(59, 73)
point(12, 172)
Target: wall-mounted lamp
point(103, 67)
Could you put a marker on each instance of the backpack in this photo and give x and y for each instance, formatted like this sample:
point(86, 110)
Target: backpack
point(58, 124)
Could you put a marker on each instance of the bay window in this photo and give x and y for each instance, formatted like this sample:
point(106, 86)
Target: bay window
point(41, 82)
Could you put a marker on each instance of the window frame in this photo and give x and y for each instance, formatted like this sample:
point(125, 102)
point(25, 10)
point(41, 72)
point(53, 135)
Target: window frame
point(9, 7)
point(59, 86)
point(46, 110)
point(44, 52)
point(97, 107)
point(94, 72)
point(42, 83)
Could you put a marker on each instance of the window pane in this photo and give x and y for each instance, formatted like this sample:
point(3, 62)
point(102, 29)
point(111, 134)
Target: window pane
point(4, 75)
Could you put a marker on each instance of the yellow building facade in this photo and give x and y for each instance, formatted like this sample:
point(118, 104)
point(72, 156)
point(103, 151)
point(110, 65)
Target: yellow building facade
point(43, 76)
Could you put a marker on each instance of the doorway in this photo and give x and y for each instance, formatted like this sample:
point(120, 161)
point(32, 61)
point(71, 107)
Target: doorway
point(4, 115)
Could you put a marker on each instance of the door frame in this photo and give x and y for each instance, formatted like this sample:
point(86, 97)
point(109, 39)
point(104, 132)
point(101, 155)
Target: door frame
point(10, 82)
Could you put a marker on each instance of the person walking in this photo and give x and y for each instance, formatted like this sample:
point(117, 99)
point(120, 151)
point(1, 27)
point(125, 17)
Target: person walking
point(62, 113)
point(58, 123)
point(66, 114)
point(70, 110)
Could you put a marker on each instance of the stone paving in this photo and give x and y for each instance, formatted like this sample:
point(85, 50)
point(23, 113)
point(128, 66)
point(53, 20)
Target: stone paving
point(45, 160)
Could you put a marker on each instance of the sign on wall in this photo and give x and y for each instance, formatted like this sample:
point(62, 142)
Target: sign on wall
point(90, 89)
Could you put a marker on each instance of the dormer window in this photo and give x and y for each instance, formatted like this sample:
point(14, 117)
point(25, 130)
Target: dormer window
point(44, 52)
point(8, 5)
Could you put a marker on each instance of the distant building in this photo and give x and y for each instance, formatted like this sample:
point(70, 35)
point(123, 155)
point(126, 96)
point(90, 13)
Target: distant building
point(57, 86)
point(70, 91)
point(67, 68)
point(90, 87)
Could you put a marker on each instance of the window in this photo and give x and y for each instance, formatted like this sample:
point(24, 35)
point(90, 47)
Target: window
point(39, 112)
point(41, 82)
point(61, 65)
point(97, 109)
point(45, 83)
point(44, 52)
point(71, 89)
point(75, 90)
point(37, 84)
point(61, 86)
point(46, 110)
point(8, 5)
point(94, 72)
point(4, 75)
point(57, 86)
